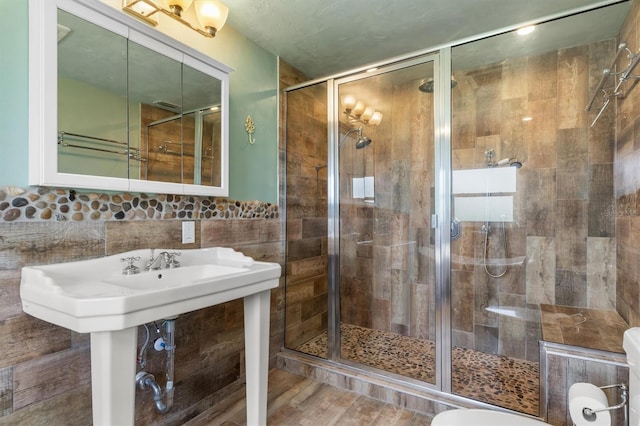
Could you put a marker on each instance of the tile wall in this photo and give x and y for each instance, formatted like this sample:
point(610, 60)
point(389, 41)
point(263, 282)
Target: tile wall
point(305, 162)
point(561, 244)
point(627, 183)
point(386, 260)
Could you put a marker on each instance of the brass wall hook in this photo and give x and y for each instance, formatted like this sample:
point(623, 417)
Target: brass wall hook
point(250, 128)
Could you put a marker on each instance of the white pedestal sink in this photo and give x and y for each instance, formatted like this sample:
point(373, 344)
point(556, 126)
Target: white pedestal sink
point(93, 296)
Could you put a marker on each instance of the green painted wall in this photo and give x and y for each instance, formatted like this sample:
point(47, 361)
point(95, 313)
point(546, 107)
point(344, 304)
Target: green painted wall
point(253, 169)
point(14, 86)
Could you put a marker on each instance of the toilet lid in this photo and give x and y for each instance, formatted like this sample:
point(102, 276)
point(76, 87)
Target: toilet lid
point(476, 417)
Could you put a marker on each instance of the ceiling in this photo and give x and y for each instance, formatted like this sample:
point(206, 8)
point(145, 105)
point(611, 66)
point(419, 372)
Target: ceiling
point(324, 37)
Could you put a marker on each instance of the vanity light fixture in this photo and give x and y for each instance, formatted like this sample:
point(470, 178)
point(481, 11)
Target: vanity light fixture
point(359, 112)
point(211, 14)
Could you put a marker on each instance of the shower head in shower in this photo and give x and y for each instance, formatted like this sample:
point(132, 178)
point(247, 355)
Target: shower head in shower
point(362, 142)
point(426, 85)
point(515, 163)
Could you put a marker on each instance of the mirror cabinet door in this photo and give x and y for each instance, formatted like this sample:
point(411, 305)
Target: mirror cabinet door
point(116, 105)
point(202, 127)
point(92, 99)
point(155, 116)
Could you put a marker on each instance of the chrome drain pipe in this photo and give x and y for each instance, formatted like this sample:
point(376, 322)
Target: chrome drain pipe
point(146, 380)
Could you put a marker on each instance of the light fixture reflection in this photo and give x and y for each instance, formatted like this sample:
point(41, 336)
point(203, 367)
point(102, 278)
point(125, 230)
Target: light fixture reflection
point(348, 102)
point(358, 111)
point(375, 119)
point(367, 114)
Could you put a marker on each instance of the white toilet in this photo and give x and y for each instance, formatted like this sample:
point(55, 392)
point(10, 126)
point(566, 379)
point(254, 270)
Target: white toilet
point(478, 417)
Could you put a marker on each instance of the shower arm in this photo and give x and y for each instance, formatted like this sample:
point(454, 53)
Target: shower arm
point(344, 138)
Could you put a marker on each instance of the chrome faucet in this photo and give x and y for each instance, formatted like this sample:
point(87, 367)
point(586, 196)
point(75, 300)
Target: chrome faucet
point(164, 260)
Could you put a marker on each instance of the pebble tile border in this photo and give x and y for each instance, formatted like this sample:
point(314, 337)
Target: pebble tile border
point(42, 204)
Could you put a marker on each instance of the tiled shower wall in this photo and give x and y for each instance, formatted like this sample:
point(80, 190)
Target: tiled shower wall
point(627, 183)
point(562, 241)
point(306, 207)
point(45, 369)
point(387, 278)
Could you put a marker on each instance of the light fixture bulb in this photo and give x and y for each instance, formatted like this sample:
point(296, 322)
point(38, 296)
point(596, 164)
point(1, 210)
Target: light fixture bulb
point(358, 109)
point(178, 6)
point(212, 15)
point(367, 114)
point(348, 102)
point(375, 119)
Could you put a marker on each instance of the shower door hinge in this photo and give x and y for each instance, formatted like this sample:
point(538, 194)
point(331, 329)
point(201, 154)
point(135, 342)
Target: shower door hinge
point(434, 221)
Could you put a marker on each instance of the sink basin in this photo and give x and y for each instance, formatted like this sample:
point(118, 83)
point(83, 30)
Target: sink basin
point(93, 295)
point(167, 278)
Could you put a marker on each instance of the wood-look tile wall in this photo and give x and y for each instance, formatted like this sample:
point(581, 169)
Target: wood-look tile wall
point(305, 207)
point(45, 369)
point(565, 366)
point(627, 183)
point(561, 242)
point(387, 279)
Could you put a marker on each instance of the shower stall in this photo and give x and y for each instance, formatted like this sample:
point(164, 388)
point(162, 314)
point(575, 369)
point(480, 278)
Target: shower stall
point(434, 203)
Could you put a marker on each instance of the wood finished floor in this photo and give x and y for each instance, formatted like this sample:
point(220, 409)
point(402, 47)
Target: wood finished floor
point(294, 400)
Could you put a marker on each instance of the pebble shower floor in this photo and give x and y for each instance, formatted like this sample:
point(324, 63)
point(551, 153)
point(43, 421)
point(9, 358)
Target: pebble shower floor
point(496, 379)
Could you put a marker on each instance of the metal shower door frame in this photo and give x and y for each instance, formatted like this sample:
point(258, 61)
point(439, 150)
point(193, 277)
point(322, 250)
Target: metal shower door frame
point(442, 168)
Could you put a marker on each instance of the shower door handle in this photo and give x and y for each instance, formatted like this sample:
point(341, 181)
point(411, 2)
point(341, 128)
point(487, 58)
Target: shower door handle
point(456, 229)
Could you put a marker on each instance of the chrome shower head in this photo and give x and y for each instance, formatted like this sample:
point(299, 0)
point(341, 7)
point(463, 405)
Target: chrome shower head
point(515, 163)
point(363, 142)
point(426, 85)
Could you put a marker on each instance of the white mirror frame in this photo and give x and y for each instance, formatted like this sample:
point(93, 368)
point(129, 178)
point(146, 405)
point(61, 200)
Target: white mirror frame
point(43, 95)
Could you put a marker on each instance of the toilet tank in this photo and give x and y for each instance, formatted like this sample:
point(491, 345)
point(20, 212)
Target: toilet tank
point(631, 345)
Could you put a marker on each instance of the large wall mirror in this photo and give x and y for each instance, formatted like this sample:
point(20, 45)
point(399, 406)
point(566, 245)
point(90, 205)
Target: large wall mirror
point(116, 105)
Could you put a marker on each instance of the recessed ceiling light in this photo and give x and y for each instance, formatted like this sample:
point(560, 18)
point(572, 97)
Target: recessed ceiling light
point(527, 118)
point(526, 30)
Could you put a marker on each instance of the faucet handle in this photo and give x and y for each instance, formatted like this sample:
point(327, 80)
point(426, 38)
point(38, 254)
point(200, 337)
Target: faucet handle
point(130, 269)
point(173, 263)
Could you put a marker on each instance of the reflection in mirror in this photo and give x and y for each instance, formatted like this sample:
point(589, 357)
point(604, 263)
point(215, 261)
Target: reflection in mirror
point(128, 111)
point(210, 169)
point(180, 129)
point(202, 102)
point(155, 86)
point(92, 99)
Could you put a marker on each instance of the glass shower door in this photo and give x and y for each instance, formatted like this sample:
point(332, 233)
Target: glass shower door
point(386, 175)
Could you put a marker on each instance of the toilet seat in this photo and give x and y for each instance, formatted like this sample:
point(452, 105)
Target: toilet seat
point(478, 417)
